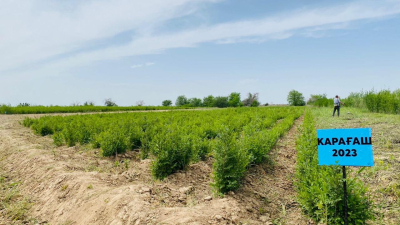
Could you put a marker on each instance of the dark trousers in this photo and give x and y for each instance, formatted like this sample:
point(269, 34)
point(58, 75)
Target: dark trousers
point(338, 111)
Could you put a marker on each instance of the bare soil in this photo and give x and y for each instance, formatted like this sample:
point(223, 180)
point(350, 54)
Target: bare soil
point(76, 186)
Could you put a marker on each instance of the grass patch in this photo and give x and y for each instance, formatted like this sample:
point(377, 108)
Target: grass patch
point(13, 205)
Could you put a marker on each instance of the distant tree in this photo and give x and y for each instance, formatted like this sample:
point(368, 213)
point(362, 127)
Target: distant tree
point(23, 104)
point(208, 101)
point(167, 103)
point(314, 98)
point(320, 101)
point(221, 102)
point(234, 99)
point(195, 102)
point(255, 103)
point(181, 100)
point(75, 104)
point(250, 99)
point(266, 104)
point(109, 102)
point(295, 98)
point(88, 103)
point(140, 103)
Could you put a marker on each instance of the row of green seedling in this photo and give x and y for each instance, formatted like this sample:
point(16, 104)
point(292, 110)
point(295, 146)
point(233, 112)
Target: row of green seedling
point(320, 188)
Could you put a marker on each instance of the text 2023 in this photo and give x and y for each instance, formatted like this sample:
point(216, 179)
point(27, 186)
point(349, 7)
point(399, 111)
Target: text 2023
point(345, 152)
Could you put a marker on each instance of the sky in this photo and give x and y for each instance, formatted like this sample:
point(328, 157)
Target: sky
point(55, 52)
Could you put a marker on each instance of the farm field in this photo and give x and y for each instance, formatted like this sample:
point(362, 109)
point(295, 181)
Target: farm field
point(5, 109)
point(64, 177)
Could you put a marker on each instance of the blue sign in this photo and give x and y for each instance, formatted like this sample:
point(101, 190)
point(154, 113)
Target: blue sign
point(345, 147)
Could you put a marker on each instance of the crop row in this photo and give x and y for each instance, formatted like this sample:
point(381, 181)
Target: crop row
point(5, 109)
point(320, 188)
point(236, 138)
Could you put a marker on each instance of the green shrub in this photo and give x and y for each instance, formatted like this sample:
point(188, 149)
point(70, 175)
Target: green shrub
point(69, 135)
point(320, 188)
point(201, 147)
point(231, 160)
point(172, 149)
point(96, 141)
point(383, 101)
point(6, 109)
point(320, 101)
point(135, 135)
point(83, 133)
point(27, 122)
point(58, 139)
point(42, 128)
point(112, 142)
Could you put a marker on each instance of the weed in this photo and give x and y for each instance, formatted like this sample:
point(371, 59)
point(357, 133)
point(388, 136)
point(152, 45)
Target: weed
point(126, 163)
point(64, 187)
point(13, 204)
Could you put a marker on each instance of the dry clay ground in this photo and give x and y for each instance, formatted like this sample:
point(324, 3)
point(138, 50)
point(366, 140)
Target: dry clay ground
point(76, 186)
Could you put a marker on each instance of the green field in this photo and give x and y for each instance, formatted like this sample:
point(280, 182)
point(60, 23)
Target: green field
point(237, 139)
point(5, 109)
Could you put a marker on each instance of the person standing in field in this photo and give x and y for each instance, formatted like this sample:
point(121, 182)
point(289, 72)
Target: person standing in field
point(336, 103)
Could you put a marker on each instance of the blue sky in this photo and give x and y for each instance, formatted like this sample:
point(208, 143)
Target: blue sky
point(63, 52)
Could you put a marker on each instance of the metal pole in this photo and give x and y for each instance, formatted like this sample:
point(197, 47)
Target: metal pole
point(345, 196)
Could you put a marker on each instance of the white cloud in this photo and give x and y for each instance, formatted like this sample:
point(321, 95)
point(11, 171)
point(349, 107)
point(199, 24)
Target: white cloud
point(143, 65)
point(28, 35)
point(137, 66)
point(149, 63)
point(36, 30)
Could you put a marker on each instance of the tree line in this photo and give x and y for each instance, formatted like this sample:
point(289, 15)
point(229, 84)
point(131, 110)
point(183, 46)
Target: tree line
point(232, 100)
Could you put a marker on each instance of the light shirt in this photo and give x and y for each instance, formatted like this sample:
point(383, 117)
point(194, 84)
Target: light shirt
point(336, 101)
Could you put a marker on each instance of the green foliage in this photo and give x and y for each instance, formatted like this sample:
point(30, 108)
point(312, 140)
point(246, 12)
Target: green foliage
point(320, 188)
point(69, 135)
point(135, 134)
point(384, 101)
point(5, 109)
point(58, 139)
point(109, 102)
point(23, 104)
point(208, 101)
point(181, 100)
point(200, 147)
point(295, 98)
point(167, 103)
point(234, 99)
point(320, 101)
point(355, 99)
point(221, 102)
point(80, 109)
point(255, 103)
point(27, 122)
point(88, 103)
point(171, 139)
point(173, 150)
point(42, 128)
point(112, 142)
point(195, 102)
point(231, 160)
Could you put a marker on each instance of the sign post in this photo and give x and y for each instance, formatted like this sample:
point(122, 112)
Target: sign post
point(345, 147)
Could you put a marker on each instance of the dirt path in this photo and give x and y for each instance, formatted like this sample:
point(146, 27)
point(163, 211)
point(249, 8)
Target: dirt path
point(269, 187)
point(76, 186)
